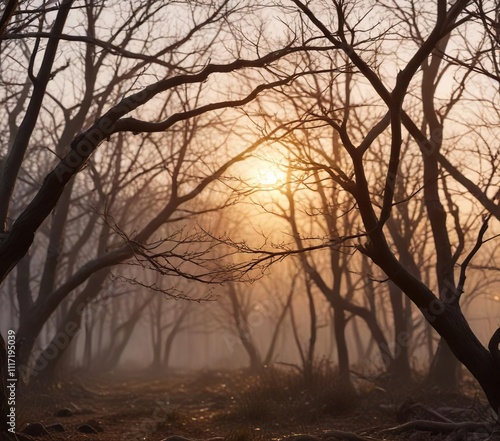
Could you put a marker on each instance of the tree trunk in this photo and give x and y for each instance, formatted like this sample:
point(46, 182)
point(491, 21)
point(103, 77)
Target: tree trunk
point(117, 349)
point(360, 351)
point(87, 348)
point(276, 332)
point(444, 370)
point(400, 366)
point(243, 331)
point(429, 339)
point(174, 332)
point(313, 330)
point(156, 347)
point(10, 9)
point(56, 242)
point(447, 319)
point(442, 313)
point(156, 328)
point(49, 364)
point(377, 334)
point(17, 151)
point(444, 367)
point(124, 332)
point(167, 352)
point(339, 322)
point(169, 343)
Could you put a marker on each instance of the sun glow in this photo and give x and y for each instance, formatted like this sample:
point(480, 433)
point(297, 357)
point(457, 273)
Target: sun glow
point(266, 173)
point(270, 178)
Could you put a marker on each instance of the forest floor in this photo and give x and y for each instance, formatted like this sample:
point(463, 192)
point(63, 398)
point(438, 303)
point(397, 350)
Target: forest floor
point(238, 407)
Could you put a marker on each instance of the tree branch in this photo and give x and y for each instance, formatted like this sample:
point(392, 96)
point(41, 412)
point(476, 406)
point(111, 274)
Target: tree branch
point(475, 249)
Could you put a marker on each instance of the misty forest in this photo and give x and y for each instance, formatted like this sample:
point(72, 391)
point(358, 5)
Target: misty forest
point(249, 220)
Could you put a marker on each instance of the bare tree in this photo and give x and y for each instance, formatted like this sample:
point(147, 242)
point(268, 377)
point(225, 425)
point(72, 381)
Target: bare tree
point(443, 312)
point(340, 26)
point(184, 80)
point(167, 321)
point(123, 82)
point(165, 96)
point(243, 312)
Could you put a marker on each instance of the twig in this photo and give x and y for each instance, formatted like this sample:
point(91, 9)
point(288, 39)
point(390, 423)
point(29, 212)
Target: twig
point(465, 263)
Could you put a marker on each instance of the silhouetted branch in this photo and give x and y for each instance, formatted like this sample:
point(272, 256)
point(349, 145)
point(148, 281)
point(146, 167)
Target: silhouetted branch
point(472, 253)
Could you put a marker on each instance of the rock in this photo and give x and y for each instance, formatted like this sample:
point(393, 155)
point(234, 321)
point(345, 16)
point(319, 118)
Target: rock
point(56, 428)
point(95, 424)
point(64, 413)
point(35, 429)
point(86, 428)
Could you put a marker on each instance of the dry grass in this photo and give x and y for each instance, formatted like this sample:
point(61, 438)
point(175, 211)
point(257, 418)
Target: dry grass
point(277, 394)
point(274, 404)
point(240, 434)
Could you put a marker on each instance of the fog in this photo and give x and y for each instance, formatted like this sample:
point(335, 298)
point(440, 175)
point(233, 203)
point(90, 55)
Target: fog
point(274, 212)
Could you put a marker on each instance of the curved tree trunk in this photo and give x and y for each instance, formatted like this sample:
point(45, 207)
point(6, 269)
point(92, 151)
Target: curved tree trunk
point(444, 314)
point(445, 367)
point(17, 151)
point(169, 343)
point(49, 364)
point(174, 332)
point(243, 330)
point(124, 333)
point(401, 310)
point(277, 328)
point(376, 332)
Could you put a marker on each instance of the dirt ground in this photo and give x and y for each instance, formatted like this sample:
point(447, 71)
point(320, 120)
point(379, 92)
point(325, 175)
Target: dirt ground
point(238, 407)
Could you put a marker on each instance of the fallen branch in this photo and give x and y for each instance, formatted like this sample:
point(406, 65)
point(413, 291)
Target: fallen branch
point(431, 412)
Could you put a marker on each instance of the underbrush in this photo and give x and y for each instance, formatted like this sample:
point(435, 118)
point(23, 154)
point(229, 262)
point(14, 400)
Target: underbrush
point(277, 394)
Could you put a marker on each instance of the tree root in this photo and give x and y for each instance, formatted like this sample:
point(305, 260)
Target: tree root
point(431, 412)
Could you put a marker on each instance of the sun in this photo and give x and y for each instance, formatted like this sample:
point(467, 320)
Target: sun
point(262, 173)
point(269, 178)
